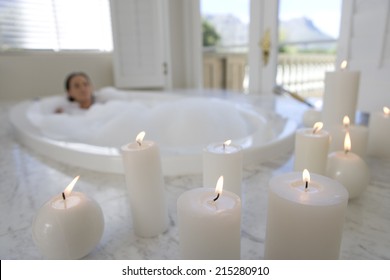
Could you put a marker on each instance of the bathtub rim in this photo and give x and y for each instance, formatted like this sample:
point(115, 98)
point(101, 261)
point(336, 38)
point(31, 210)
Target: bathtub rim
point(108, 159)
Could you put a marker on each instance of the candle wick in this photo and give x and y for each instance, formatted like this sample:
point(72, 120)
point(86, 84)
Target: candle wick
point(139, 143)
point(306, 185)
point(346, 151)
point(63, 196)
point(224, 146)
point(216, 197)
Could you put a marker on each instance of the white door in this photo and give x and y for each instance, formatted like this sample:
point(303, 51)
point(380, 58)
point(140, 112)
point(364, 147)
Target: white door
point(365, 43)
point(139, 47)
point(263, 46)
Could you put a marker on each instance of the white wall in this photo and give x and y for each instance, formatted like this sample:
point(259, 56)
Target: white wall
point(32, 74)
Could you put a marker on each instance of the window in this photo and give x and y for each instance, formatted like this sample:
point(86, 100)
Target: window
point(225, 43)
point(308, 33)
point(55, 25)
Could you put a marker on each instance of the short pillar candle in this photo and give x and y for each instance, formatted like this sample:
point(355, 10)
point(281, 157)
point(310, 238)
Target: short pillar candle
point(311, 149)
point(305, 217)
point(209, 223)
point(223, 159)
point(379, 134)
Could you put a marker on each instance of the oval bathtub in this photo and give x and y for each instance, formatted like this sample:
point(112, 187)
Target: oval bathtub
point(268, 136)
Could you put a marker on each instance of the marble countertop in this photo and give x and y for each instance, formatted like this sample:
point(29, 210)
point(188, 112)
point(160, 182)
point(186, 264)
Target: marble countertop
point(27, 180)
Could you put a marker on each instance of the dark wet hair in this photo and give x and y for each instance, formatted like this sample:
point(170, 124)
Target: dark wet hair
point(70, 77)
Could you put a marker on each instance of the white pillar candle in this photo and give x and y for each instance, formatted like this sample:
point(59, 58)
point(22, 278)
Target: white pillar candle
point(68, 226)
point(311, 149)
point(348, 169)
point(379, 134)
point(145, 183)
point(209, 228)
point(358, 134)
point(226, 160)
point(304, 221)
point(340, 95)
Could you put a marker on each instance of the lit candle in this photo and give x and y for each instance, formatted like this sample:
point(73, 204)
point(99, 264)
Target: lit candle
point(223, 159)
point(310, 117)
point(379, 134)
point(145, 183)
point(358, 134)
point(340, 95)
point(305, 217)
point(311, 149)
point(348, 169)
point(209, 223)
point(68, 226)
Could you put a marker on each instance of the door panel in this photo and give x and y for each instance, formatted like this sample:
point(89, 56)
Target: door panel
point(263, 34)
point(138, 43)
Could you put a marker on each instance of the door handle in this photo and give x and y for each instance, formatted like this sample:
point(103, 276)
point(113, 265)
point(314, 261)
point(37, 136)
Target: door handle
point(265, 45)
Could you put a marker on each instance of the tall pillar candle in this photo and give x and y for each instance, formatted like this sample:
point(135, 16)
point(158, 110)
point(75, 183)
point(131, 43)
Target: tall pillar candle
point(209, 224)
point(311, 149)
point(358, 134)
point(142, 166)
point(305, 217)
point(223, 159)
point(340, 95)
point(379, 134)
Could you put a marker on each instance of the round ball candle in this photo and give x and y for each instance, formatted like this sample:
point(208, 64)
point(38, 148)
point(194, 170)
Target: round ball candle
point(209, 223)
point(311, 149)
point(340, 95)
point(305, 217)
point(379, 134)
point(68, 226)
point(348, 169)
point(358, 134)
point(145, 183)
point(223, 159)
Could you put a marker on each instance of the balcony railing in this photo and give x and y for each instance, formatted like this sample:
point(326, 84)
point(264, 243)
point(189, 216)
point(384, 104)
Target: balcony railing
point(302, 73)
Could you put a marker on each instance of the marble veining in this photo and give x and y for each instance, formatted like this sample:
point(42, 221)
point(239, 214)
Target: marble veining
point(27, 180)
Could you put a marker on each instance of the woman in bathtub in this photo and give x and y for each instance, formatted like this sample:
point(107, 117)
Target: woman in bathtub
point(80, 93)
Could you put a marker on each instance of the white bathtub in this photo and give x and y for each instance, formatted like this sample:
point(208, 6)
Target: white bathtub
point(271, 135)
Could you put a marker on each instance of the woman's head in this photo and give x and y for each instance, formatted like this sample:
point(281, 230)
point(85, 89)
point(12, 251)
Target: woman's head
point(79, 89)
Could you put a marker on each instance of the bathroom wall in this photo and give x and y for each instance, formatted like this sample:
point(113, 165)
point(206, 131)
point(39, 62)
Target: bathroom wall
point(32, 74)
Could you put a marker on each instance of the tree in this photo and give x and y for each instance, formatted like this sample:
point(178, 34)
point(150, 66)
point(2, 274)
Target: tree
point(210, 35)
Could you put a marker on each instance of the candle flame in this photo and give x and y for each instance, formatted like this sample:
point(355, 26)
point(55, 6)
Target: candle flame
point(219, 186)
point(227, 142)
point(306, 176)
point(347, 142)
point(317, 127)
point(343, 64)
point(140, 137)
point(346, 121)
point(386, 110)
point(69, 188)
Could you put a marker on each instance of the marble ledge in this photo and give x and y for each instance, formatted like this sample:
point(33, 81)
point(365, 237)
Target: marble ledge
point(27, 180)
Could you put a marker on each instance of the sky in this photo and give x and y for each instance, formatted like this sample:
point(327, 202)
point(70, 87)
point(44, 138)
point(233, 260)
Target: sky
point(324, 13)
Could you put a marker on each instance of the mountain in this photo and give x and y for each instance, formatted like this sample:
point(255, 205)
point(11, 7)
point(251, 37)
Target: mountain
point(300, 29)
point(234, 32)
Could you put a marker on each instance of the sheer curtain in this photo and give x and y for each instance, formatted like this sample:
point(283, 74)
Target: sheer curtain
point(55, 25)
